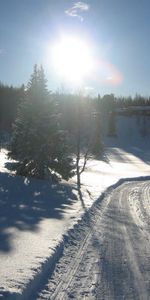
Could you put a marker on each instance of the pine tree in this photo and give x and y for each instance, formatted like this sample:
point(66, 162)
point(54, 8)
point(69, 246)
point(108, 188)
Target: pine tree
point(112, 130)
point(38, 141)
point(97, 141)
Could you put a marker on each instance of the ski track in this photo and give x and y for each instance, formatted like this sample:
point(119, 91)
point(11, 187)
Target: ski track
point(108, 255)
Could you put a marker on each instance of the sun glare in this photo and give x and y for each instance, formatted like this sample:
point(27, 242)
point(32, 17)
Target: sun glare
point(72, 59)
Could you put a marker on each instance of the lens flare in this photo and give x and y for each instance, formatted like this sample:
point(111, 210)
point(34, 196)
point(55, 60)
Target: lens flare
point(108, 74)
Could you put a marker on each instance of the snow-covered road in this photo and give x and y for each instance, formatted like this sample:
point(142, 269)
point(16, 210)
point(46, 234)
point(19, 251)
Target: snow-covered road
point(108, 255)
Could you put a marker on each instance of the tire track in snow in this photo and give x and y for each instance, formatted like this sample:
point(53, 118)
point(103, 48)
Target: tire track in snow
point(139, 281)
point(61, 288)
point(131, 246)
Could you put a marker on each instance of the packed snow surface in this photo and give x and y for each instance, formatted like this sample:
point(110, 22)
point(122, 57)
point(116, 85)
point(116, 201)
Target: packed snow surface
point(108, 255)
point(34, 214)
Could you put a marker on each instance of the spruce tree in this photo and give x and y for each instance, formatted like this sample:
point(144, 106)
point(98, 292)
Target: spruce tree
point(38, 142)
point(112, 129)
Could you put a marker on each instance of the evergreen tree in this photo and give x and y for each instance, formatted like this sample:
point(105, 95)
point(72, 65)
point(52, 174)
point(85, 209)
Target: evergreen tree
point(112, 130)
point(38, 141)
point(9, 100)
point(97, 142)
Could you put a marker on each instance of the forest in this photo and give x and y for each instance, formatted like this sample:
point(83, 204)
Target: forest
point(51, 133)
point(11, 97)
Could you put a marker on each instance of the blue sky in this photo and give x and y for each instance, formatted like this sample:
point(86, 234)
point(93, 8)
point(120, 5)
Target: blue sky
point(118, 30)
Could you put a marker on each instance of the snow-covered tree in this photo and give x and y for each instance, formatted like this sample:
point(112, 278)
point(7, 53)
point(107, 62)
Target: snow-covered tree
point(38, 142)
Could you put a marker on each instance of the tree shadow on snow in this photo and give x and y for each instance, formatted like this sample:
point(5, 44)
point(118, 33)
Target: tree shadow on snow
point(139, 152)
point(24, 203)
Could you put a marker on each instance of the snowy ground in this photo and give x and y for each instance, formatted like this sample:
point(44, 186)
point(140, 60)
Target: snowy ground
point(109, 251)
point(34, 216)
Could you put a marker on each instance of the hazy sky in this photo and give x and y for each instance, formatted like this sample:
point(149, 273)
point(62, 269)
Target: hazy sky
point(118, 31)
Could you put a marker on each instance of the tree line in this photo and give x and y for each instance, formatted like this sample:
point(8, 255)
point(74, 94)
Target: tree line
point(11, 97)
point(53, 134)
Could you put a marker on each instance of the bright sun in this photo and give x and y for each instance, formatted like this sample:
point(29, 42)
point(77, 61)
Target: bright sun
point(72, 59)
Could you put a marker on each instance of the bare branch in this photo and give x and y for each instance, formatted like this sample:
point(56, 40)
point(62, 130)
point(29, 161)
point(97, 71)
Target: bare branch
point(85, 161)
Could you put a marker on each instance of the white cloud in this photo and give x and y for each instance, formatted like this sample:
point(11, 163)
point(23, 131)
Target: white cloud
point(76, 9)
point(81, 5)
